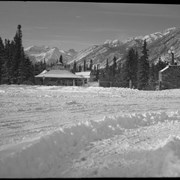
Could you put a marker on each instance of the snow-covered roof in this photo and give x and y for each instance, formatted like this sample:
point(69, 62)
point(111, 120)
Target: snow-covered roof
point(164, 69)
point(85, 74)
point(45, 71)
point(170, 66)
point(59, 74)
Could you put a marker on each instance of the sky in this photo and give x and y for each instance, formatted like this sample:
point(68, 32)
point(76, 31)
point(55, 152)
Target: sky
point(79, 25)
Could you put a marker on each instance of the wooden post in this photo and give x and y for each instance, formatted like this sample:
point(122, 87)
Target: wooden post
point(73, 82)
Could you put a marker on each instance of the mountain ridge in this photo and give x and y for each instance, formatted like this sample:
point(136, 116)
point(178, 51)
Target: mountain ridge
point(158, 44)
point(50, 55)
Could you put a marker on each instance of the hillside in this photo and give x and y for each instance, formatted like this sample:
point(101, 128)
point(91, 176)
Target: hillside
point(158, 44)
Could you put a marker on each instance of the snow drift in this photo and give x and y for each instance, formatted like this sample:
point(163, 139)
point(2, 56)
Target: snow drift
point(146, 143)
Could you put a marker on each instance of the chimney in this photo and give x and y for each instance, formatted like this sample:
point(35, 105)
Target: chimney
point(171, 51)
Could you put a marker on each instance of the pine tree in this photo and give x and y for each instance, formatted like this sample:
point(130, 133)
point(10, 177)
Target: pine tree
point(91, 64)
point(44, 65)
point(61, 59)
point(114, 66)
point(135, 69)
point(84, 65)
point(118, 77)
point(17, 57)
point(22, 66)
point(152, 78)
point(107, 71)
point(97, 72)
point(7, 74)
point(1, 59)
point(80, 68)
point(129, 70)
point(107, 65)
point(21, 71)
point(29, 69)
point(95, 68)
point(143, 68)
point(74, 67)
point(125, 75)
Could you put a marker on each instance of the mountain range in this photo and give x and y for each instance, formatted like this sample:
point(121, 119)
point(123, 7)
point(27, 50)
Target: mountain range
point(50, 55)
point(158, 44)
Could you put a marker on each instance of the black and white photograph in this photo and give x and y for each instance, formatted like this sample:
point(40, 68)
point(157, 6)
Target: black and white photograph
point(89, 89)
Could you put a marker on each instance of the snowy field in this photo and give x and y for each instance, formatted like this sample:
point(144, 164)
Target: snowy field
point(51, 131)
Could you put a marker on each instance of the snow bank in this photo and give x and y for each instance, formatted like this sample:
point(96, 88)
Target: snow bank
point(162, 162)
point(53, 155)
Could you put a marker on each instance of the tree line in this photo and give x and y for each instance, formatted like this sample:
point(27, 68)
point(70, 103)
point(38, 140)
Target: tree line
point(94, 69)
point(15, 66)
point(136, 72)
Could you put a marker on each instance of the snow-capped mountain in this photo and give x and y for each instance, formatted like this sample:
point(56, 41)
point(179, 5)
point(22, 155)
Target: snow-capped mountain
point(158, 44)
point(50, 55)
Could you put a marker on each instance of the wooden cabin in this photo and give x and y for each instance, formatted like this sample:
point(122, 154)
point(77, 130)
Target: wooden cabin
point(169, 77)
point(58, 75)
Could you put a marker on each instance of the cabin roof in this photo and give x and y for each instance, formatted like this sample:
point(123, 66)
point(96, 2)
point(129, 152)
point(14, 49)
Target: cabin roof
point(59, 74)
point(85, 74)
point(170, 67)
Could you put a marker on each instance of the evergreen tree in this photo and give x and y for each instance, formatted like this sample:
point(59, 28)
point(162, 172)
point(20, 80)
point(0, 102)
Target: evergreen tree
point(129, 71)
point(97, 72)
point(22, 71)
point(95, 68)
point(114, 66)
point(143, 68)
point(91, 64)
point(152, 78)
point(17, 57)
point(135, 70)
point(118, 77)
point(44, 65)
point(20, 68)
point(84, 65)
point(1, 58)
point(29, 69)
point(41, 66)
point(80, 68)
point(61, 59)
point(107, 71)
point(107, 65)
point(74, 67)
point(125, 75)
point(7, 74)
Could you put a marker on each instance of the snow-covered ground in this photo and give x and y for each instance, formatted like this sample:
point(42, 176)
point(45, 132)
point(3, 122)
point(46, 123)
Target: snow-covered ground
point(51, 131)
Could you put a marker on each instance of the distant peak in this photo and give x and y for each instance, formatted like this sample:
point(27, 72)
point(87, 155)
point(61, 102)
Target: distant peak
point(113, 43)
point(170, 29)
point(167, 31)
point(35, 47)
